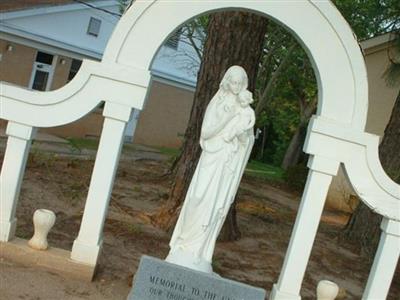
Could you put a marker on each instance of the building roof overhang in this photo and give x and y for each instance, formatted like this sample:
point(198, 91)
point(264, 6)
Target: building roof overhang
point(377, 43)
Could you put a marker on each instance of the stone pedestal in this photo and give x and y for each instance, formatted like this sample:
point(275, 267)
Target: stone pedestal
point(53, 259)
point(160, 280)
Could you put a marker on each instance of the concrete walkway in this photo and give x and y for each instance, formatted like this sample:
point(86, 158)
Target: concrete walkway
point(40, 136)
point(52, 144)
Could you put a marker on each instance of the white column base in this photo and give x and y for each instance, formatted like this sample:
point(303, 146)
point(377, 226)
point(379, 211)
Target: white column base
point(279, 295)
point(85, 253)
point(7, 230)
point(385, 262)
point(54, 260)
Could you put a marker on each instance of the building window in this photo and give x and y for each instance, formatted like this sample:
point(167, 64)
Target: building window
point(173, 40)
point(75, 65)
point(94, 26)
point(44, 58)
point(40, 80)
point(42, 72)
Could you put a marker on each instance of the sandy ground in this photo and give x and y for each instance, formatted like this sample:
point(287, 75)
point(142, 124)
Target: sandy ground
point(58, 181)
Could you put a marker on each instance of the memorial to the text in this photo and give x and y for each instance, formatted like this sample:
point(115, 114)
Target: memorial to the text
point(335, 136)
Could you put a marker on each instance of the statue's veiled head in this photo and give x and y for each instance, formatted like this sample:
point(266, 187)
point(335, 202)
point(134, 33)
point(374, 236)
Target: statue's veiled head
point(235, 80)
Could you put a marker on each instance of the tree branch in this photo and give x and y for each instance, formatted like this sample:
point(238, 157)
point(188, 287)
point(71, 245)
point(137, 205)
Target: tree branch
point(263, 100)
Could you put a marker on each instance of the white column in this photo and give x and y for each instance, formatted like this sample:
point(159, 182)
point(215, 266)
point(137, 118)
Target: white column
point(319, 179)
point(385, 261)
point(12, 172)
point(131, 126)
point(87, 246)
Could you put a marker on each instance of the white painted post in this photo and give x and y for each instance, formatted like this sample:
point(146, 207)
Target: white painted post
point(12, 172)
point(319, 179)
point(88, 244)
point(131, 126)
point(385, 261)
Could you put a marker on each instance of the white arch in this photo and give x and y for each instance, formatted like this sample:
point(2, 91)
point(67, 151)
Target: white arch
point(330, 37)
point(94, 83)
point(336, 135)
point(326, 37)
point(123, 75)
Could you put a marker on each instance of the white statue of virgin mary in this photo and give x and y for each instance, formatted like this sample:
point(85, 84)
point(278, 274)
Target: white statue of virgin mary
point(226, 141)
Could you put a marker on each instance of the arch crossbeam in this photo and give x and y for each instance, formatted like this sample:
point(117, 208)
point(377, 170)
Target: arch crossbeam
point(336, 135)
point(94, 83)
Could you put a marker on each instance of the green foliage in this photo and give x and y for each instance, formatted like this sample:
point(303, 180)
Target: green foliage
point(286, 88)
point(285, 84)
point(292, 88)
point(283, 118)
point(392, 73)
point(370, 18)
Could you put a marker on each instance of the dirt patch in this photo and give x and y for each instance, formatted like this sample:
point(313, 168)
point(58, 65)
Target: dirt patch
point(266, 216)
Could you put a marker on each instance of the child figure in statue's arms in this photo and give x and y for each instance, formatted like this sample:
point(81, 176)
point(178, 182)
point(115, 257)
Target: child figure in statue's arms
point(244, 119)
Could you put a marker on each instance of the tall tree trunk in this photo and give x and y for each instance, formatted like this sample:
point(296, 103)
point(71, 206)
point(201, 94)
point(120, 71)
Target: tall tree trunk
point(269, 84)
point(389, 153)
point(234, 38)
point(364, 224)
point(230, 231)
point(295, 148)
point(293, 152)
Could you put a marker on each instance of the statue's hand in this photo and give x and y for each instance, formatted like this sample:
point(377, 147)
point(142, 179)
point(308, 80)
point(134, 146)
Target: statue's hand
point(230, 136)
point(227, 108)
point(243, 137)
point(230, 110)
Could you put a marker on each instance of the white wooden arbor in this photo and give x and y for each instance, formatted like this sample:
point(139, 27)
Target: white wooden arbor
point(335, 135)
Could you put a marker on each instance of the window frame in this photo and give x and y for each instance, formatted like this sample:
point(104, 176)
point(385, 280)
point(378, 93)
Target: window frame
point(94, 27)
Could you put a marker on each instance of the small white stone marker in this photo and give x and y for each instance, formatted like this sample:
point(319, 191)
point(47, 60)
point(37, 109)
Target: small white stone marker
point(43, 221)
point(327, 290)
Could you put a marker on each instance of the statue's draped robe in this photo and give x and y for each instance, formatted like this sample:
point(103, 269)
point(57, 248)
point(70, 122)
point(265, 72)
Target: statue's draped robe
point(213, 186)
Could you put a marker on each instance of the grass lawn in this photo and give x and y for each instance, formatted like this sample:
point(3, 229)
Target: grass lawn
point(253, 168)
point(265, 171)
point(173, 152)
point(83, 143)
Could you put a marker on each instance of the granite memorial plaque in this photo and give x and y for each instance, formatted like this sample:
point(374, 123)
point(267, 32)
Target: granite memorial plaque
point(160, 280)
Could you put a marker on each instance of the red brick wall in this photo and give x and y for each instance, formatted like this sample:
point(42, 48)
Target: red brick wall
point(16, 65)
point(6, 5)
